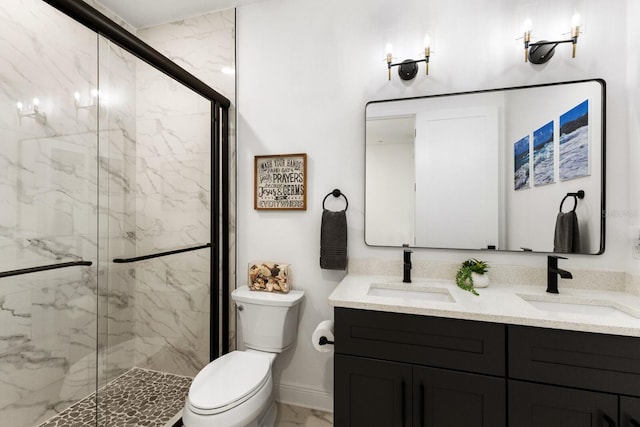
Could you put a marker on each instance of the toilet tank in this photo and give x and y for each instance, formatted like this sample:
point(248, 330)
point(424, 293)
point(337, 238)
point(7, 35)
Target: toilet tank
point(269, 320)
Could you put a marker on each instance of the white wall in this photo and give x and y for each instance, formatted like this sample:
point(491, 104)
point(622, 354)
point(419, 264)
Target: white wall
point(305, 72)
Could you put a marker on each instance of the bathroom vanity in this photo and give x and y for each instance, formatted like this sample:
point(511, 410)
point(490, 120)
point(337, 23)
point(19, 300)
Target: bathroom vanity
point(510, 357)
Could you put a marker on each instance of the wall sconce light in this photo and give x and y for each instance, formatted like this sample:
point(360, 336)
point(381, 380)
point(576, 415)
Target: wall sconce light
point(542, 51)
point(92, 101)
point(32, 111)
point(408, 68)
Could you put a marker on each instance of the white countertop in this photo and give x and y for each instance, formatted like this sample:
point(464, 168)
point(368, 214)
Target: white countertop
point(615, 313)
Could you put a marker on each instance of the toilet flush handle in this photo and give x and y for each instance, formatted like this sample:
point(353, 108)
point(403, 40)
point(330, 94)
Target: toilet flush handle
point(240, 307)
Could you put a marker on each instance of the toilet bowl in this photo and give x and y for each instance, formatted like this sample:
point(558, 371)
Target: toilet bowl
point(235, 390)
point(232, 391)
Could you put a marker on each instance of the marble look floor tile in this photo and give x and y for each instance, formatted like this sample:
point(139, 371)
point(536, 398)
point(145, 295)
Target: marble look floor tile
point(294, 416)
point(289, 416)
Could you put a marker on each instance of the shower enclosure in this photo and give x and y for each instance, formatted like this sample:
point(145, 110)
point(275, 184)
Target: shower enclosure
point(113, 222)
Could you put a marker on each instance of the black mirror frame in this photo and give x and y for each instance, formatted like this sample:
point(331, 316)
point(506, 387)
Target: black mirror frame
point(603, 212)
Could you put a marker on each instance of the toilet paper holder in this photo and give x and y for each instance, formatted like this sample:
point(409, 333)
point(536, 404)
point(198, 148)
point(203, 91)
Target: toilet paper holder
point(324, 341)
point(323, 336)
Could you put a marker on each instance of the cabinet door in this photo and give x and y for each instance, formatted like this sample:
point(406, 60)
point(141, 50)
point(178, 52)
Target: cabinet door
point(371, 392)
point(445, 398)
point(629, 412)
point(536, 405)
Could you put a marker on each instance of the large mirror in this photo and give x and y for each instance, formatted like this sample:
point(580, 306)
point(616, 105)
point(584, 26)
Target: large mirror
point(517, 169)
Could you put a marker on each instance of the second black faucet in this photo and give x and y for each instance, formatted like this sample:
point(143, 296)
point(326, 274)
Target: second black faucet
point(553, 271)
point(406, 267)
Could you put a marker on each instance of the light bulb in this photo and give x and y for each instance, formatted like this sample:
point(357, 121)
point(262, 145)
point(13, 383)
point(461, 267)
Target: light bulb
point(94, 93)
point(19, 106)
point(526, 28)
point(36, 102)
point(427, 41)
point(389, 59)
point(76, 96)
point(427, 53)
point(575, 32)
point(575, 20)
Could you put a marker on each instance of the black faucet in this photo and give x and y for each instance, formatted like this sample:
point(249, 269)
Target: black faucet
point(406, 268)
point(552, 273)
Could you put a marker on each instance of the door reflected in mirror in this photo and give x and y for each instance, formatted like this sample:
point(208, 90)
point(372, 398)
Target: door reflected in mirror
point(488, 169)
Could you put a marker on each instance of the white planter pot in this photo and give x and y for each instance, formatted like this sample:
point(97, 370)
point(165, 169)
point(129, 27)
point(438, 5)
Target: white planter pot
point(480, 280)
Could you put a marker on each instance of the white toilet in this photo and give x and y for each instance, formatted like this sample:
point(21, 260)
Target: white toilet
point(235, 389)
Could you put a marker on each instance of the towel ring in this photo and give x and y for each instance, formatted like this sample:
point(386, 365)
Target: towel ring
point(336, 193)
point(576, 196)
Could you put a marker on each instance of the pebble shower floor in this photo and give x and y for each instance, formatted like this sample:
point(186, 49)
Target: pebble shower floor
point(139, 397)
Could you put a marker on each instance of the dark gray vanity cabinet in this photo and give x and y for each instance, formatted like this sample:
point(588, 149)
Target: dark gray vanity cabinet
point(539, 405)
point(629, 411)
point(395, 369)
point(371, 392)
point(585, 378)
point(446, 398)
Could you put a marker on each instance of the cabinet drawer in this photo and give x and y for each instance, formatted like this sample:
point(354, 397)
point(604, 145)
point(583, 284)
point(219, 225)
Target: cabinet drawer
point(578, 359)
point(422, 340)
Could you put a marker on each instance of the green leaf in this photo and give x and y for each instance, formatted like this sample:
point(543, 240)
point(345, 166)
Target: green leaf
point(464, 279)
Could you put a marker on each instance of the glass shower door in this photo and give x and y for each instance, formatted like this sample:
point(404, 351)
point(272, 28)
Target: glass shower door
point(155, 240)
point(106, 230)
point(49, 212)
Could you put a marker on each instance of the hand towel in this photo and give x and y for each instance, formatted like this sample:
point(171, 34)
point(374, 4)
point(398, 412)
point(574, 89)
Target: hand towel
point(567, 233)
point(333, 240)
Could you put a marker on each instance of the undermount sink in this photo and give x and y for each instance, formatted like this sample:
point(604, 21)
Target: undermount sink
point(422, 293)
point(570, 309)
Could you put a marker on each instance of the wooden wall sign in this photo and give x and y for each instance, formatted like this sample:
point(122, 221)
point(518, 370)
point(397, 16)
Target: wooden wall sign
point(280, 182)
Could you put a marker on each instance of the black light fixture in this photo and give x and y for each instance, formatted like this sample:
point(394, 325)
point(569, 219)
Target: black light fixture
point(543, 50)
point(408, 69)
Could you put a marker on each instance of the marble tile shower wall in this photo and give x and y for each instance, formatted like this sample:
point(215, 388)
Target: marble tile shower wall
point(127, 179)
point(48, 175)
point(65, 184)
point(205, 46)
point(117, 220)
point(172, 209)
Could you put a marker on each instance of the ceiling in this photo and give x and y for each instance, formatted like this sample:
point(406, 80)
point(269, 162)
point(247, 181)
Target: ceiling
point(147, 13)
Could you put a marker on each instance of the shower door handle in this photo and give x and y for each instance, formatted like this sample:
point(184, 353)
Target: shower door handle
point(160, 254)
point(43, 268)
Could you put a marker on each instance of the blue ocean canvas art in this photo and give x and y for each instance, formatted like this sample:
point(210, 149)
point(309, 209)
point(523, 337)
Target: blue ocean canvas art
point(574, 142)
point(543, 156)
point(521, 163)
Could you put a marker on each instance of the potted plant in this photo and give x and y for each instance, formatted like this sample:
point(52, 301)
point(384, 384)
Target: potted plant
point(472, 274)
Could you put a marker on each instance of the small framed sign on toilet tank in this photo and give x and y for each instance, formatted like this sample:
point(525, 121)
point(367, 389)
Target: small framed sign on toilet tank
point(280, 182)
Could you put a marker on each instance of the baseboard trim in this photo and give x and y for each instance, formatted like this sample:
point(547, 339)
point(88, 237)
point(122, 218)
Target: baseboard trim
point(304, 396)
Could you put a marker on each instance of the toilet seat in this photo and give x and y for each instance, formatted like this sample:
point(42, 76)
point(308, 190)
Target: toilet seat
point(228, 381)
